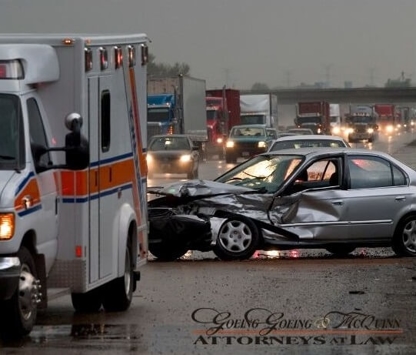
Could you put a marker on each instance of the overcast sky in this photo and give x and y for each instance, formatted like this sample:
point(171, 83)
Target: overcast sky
point(240, 42)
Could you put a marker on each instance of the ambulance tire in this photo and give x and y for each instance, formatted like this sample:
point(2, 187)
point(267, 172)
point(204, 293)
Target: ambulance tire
point(89, 302)
point(18, 315)
point(119, 292)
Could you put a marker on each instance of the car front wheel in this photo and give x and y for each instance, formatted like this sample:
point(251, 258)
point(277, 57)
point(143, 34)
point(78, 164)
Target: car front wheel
point(404, 240)
point(238, 239)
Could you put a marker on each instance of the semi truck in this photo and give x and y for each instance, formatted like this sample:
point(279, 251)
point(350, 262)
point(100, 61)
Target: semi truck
point(223, 112)
point(362, 123)
point(336, 122)
point(73, 212)
point(314, 115)
point(177, 105)
point(259, 109)
point(386, 120)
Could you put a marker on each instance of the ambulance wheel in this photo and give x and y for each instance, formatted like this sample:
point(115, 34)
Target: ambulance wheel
point(89, 302)
point(119, 292)
point(18, 315)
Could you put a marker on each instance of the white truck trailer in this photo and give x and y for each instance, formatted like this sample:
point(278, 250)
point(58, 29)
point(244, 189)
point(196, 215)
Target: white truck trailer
point(259, 109)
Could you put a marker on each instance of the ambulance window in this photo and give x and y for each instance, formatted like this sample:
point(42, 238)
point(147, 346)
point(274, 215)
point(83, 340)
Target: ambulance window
point(37, 131)
point(105, 121)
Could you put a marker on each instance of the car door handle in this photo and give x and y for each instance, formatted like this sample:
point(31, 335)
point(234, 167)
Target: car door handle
point(338, 202)
point(400, 198)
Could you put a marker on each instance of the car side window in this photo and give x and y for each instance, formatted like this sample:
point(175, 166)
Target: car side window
point(371, 172)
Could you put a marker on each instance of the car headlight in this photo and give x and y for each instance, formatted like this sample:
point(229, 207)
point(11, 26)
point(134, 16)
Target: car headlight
point(370, 130)
point(149, 158)
point(219, 140)
point(230, 144)
point(262, 144)
point(185, 158)
point(336, 130)
point(6, 226)
point(389, 129)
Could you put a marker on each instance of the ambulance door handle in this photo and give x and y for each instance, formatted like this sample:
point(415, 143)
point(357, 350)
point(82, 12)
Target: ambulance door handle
point(96, 177)
point(110, 174)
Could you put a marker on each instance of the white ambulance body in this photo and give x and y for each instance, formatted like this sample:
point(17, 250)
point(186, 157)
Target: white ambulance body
point(73, 214)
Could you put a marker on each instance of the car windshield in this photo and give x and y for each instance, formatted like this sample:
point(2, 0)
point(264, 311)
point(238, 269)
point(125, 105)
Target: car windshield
point(313, 120)
point(169, 143)
point(307, 143)
point(11, 132)
point(252, 119)
point(263, 172)
point(247, 132)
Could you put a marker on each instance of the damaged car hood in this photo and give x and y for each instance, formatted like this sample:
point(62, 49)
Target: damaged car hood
point(195, 188)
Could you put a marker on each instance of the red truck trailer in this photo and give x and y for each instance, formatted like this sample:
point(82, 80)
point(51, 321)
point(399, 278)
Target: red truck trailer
point(314, 115)
point(223, 112)
point(386, 118)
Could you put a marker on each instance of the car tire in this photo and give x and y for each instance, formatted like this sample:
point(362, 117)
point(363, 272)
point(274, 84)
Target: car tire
point(18, 315)
point(119, 292)
point(167, 252)
point(238, 239)
point(404, 240)
point(341, 250)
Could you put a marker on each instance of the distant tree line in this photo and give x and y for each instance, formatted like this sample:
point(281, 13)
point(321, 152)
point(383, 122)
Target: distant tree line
point(161, 70)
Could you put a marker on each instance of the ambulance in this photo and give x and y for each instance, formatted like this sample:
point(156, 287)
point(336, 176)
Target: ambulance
point(73, 215)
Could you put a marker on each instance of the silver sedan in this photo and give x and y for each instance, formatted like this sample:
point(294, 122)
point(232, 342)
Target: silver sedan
point(332, 198)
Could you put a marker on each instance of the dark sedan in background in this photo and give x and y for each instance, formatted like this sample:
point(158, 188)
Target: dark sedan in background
point(173, 153)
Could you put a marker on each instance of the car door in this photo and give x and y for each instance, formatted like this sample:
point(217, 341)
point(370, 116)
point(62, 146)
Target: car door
point(315, 209)
point(376, 197)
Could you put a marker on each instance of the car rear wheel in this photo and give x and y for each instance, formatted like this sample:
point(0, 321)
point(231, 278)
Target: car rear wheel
point(341, 250)
point(404, 240)
point(238, 239)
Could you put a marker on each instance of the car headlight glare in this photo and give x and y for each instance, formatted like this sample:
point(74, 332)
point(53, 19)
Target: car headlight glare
point(149, 158)
point(262, 144)
point(230, 144)
point(370, 130)
point(219, 140)
point(185, 158)
point(6, 226)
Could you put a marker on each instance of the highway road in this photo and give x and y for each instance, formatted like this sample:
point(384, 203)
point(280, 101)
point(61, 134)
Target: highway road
point(287, 304)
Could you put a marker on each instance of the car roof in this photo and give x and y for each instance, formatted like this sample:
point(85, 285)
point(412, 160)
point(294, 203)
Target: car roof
point(250, 125)
point(317, 151)
point(309, 137)
point(170, 136)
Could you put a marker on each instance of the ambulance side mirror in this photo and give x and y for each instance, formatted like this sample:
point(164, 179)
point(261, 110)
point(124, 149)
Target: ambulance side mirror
point(77, 155)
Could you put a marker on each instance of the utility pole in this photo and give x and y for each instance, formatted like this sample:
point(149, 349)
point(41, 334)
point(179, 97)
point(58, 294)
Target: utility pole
point(372, 70)
point(328, 74)
point(288, 77)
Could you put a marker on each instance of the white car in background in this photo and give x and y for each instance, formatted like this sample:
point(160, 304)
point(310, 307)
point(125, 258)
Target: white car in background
point(308, 141)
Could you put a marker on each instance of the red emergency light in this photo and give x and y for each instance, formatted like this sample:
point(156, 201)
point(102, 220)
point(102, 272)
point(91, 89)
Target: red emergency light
point(11, 69)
